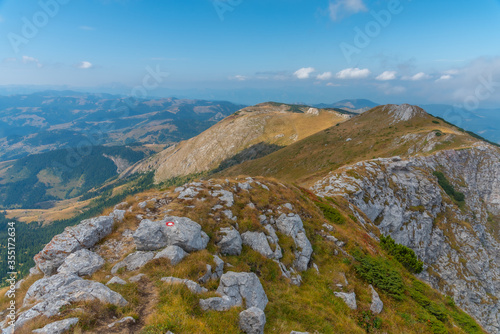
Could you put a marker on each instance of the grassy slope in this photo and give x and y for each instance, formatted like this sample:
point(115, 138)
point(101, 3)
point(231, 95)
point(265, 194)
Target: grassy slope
point(269, 123)
point(372, 136)
point(311, 307)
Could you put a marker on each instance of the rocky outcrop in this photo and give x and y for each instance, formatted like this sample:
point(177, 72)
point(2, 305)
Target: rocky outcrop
point(184, 233)
point(252, 321)
point(52, 293)
point(234, 289)
point(292, 226)
point(174, 253)
point(458, 245)
point(81, 263)
point(231, 242)
point(84, 235)
point(58, 327)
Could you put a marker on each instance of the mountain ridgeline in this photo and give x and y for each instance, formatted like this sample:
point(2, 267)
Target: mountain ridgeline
point(300, 220)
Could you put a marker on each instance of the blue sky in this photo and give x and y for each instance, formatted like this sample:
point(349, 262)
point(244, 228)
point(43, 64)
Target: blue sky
point(248, 51)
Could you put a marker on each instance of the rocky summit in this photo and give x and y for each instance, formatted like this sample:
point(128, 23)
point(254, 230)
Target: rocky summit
point(397, 243)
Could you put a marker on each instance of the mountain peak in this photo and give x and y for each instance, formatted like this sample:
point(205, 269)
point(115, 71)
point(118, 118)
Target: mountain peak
point(403, 112)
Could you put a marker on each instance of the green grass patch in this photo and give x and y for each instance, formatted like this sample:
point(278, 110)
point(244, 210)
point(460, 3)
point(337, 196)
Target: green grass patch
point(330, 213)
point(448, 188)
point(380, 273)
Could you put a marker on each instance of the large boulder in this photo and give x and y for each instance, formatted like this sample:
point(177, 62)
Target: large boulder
point(174, 253)
point(292, 226)
point(184, 233)
point(258, 242)
point(60, 290)
point(84, 235)
point(377, 305)
point(81, 263)
point(231, 243)
point(133, 261)
point(58, 327)
point(252, 321)
point(234, 288)
point(149, 236)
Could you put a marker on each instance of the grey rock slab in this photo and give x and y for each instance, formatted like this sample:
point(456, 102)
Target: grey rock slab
point(238, 287)
point(377, 305)
point(58, 327)
point(231, 243)
point(174, 253)
point(124, 320)
point(116, 280)
point(133, 261)
point(149, 236)
point(84, 235)
point(185, 233)
point(348, 298)
point(219, 267)
point(81, 263)
point(252, 321)
point(258, 242)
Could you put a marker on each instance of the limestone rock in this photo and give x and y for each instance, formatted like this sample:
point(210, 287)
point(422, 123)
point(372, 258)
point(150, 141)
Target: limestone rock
point(252, 321)
point(233, 289)
point(116, 280)
point(377, 305)
point(60, 290)
point(174, 253)
point(81, 263)
point(149, 236)
point(231, 243)
point(84, 235)
point(292, 226)
point(348, 298)
point(133, 261)
point(125, 320)
point(58, 327)
point(258, 242)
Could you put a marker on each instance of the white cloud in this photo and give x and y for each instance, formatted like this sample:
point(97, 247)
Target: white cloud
point(304, 73)
point(353, 73)
point(84, 65)
point(331, 84)
point(87, 28)
point(240, 77)
point(387, 75)
point(445, 77)
point(10, 60)
point(417, 77)
point(324, 76)
point(339, 9)
point(31, 60)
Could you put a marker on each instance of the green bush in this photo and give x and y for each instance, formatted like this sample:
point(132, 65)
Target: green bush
point(331, 213)
point(379, 272)
point(368, 321)
point(448, 187)
point(403, 254)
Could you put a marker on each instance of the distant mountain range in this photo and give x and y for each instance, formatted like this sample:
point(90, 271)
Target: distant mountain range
point(51, 120)
point(356, 105)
